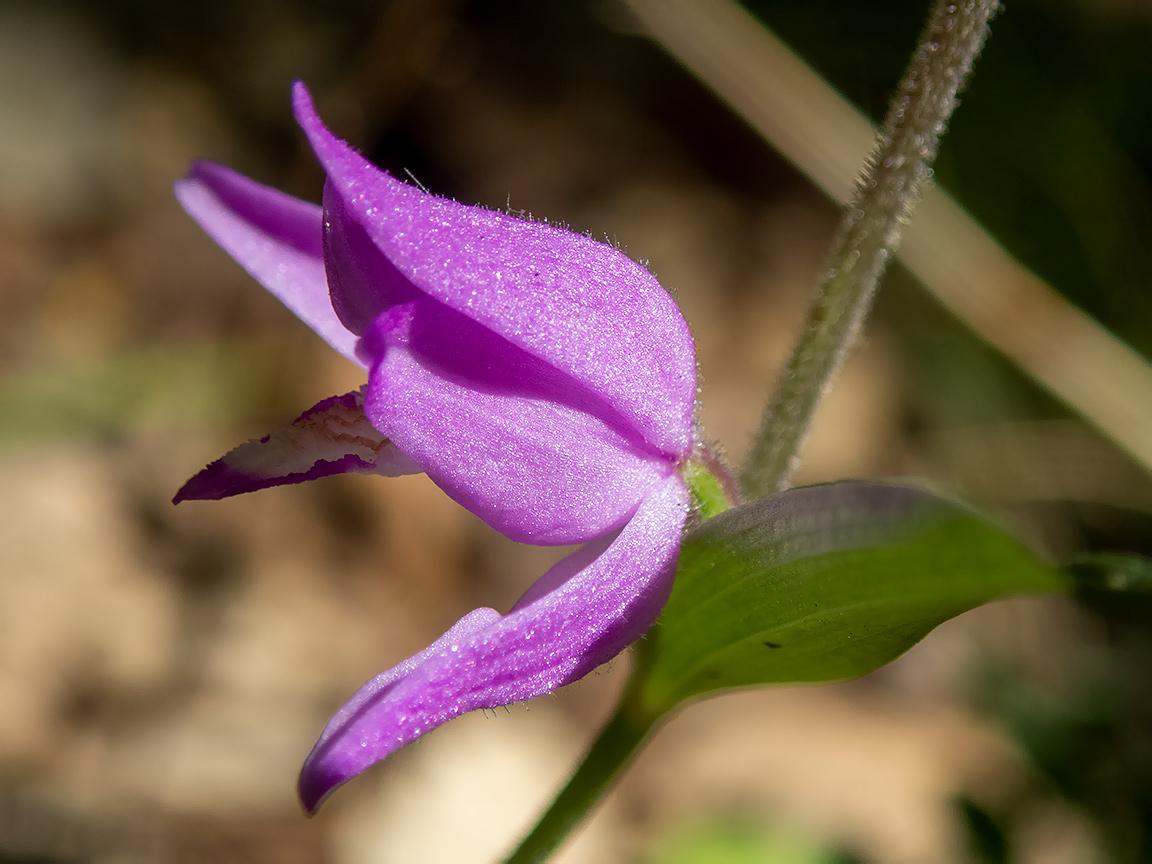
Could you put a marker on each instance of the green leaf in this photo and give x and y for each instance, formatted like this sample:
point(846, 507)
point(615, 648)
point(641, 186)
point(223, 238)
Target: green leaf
point(824, 583)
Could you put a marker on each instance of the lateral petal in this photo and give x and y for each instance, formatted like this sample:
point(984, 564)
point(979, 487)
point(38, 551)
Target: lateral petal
point(332, 437)
point(579, 305)
point(361, 281)
point(536, 456)
point(275, 237)
point(581, 613)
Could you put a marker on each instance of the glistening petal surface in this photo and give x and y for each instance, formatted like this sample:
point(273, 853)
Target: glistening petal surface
point(361, 281)
point(275, 237)
point(581, 306)
point(331, 437)
point(582, 613)
point(521, 445)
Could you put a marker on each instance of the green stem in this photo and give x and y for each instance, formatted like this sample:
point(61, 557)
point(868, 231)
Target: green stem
point(869, 233)
point(611, 752)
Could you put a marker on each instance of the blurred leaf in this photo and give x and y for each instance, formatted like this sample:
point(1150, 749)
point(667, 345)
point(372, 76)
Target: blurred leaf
point(737, 844)
point(1114, 583)
point(1115, 573)
point(824, 583)
point(986, 839)
point(107, 398)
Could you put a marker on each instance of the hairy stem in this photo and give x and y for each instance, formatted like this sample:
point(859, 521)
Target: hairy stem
point(869, 233)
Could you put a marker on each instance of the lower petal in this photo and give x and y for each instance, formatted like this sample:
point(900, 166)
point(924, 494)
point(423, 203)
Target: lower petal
point(580, 614)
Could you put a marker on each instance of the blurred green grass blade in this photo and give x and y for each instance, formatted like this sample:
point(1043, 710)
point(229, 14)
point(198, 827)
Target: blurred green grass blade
point(737, 844)
point(823, 583)
point(183, 385)
point(987, 841)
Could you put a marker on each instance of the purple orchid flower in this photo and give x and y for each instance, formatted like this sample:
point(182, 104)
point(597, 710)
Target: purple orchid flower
point(543, 380)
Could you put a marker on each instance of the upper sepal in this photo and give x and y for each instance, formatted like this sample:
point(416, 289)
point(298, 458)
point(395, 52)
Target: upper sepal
point(332, 437)
point(578, 305)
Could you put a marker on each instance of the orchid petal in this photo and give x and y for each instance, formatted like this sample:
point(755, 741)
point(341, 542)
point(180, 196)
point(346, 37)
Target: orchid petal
point(275, 237)
point(579, 305)
point(582, 613)
point(510, 438)
point(332, 437)
point(361, 281)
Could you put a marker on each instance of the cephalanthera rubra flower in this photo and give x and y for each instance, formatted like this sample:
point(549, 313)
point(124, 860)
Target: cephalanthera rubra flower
point(542, 379)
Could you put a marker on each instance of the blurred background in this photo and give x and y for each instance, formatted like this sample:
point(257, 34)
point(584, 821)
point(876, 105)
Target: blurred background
point(164, 671)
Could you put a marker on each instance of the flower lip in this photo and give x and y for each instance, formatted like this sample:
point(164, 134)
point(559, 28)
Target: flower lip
point(331, 437)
